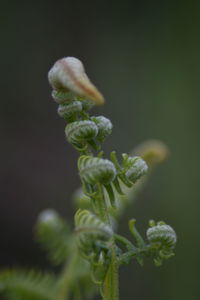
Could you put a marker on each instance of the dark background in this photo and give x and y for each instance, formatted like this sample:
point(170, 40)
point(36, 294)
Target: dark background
point(144, 57)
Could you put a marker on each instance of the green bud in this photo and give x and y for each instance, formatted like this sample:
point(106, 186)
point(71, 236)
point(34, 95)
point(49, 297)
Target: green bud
point(68, 109)
point(163, 235)
point(137, 168)
point(104, 127)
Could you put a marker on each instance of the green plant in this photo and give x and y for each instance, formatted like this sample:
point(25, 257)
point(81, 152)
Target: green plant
point(91, 253)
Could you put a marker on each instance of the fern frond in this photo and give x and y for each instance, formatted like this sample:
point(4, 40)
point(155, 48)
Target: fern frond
point(161, 235)
point(23, 285)
point(137, 167)
point(90, 230)
point(53, 233)
point(162, 239)
point(80, 131)
point(104, 127)
point(69, 109)
point(95, 169)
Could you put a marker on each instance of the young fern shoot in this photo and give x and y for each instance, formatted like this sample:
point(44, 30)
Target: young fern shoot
point(92, 252)
point(104, 182)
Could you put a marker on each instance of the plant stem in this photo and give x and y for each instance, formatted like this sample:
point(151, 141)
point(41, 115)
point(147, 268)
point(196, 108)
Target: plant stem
point(110, 285)
point(102, 209)
point(67, 276)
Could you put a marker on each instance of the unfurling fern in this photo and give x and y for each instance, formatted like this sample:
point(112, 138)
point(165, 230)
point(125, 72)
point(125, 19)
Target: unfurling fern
point(93, 248)
point(70, 109)
point(96, 170)
point(27, 285)
point(130, 170)
point(62, 96)
point(81, 131)
point(104, 127)
point(137, 167)
point(162, 239)
point(54, 235)
point(91, 232)
point(162, 235)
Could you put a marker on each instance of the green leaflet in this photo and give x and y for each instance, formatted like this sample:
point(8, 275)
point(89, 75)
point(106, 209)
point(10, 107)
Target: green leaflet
point(31, 285)
point(53, 233)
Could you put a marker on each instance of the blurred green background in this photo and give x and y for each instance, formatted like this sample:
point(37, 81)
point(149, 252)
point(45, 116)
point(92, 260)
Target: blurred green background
point(144, 57)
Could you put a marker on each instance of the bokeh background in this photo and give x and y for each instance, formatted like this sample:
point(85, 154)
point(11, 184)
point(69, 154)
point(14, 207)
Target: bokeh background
point(144, 57)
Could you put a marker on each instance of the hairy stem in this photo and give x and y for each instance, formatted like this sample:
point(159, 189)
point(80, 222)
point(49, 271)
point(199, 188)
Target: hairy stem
point(101, 206)
point(111, 284)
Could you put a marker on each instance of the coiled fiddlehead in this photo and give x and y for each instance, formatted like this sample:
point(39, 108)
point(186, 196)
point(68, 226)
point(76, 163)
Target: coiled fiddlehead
point(80, 131)
point(137, 168)
point(62, 96)
point(131, 168)
point(104, 127)
point(94, 169)
point(162, 239)
point(67, 110)
point(162, 234)
point(91, 232)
